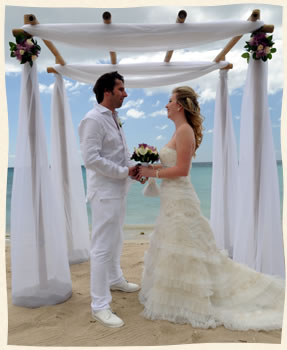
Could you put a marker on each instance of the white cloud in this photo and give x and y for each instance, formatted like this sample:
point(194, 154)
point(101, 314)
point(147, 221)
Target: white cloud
point(209, 131)
point(133, 113)
point(237, 117)
point(160, 137)
point(163, 127)
point(133, 103)
point(74, 86)
point(93, 99)
point(206, 95)
point(156, 104)
point(150, 92)
point(160, 112)
point(13, 69)
point(46, 89)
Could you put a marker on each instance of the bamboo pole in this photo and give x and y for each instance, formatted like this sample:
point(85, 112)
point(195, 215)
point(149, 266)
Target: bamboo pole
point(107, 18)
point(229, 66)
point(51, 70)
point(253, 17)
point(181, 16)
point(31, 19)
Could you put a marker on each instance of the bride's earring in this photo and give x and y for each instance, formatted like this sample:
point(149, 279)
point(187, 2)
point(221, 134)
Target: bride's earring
point(178, 109)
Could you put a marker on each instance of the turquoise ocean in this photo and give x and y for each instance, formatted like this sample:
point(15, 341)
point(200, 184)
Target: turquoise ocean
point(143, 210)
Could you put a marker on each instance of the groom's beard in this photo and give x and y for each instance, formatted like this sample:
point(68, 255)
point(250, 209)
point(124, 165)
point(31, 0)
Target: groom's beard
point(118, 102)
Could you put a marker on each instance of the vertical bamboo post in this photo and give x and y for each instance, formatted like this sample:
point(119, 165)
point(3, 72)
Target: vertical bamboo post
point(181, 16)
point(107, 18)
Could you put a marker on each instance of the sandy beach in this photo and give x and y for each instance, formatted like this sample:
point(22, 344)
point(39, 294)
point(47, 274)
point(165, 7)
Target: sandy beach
point(70, 323)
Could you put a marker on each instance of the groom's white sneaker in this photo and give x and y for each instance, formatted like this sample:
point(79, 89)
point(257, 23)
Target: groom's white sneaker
point(125, 286)
point(107, 318)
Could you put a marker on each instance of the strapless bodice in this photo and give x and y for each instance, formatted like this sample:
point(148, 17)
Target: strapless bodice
point(168, 157)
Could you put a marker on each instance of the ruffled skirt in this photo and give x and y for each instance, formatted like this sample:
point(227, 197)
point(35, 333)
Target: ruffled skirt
point(187, 279)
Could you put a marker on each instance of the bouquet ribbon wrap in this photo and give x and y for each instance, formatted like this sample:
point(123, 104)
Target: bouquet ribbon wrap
point(151, 189)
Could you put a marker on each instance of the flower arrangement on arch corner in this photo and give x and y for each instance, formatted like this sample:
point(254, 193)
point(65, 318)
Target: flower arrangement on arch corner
point(259, 46)
point(145, 154)
point(25, 49)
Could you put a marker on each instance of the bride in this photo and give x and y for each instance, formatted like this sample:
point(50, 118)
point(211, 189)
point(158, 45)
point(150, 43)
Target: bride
point(186, 279)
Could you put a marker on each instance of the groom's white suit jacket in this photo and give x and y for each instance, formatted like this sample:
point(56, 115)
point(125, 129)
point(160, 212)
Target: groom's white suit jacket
point(105, 154)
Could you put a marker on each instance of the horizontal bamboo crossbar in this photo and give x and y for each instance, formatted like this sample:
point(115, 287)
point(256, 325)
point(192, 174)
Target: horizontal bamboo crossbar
point(229, 66)
point(51, 70)
point(181, 16)
point(107, 18)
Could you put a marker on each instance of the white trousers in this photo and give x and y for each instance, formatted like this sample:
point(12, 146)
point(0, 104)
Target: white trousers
point(106, 248)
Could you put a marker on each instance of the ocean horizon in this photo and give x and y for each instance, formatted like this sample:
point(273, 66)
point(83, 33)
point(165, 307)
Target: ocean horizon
point(143, 210)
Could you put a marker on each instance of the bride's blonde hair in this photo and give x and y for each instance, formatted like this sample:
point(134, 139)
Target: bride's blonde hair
point(187, 98)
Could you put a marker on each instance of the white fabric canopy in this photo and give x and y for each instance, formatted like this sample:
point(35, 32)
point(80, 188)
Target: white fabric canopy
point(39, 260)
point(141, 37)
point(67, 176)
point(142, 75)
point(224, 170)
point(258, 238)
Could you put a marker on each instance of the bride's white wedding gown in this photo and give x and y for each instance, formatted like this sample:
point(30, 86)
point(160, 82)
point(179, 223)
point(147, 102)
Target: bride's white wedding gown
point(187, 279)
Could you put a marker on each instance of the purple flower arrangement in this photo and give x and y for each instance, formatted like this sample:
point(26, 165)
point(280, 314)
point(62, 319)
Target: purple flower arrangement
point(259, 47)
point(145, 154)
point(25, 49)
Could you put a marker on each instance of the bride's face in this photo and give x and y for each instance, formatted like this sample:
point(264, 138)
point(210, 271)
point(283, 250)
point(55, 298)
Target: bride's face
point(172, 107)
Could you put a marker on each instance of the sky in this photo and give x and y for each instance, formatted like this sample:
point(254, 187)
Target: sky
point(143, 112)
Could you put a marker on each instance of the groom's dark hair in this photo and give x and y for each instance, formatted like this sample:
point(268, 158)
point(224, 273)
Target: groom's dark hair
point(106, 82)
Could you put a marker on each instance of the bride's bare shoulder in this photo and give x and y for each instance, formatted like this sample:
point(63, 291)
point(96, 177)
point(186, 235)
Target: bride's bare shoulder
point(185, 129)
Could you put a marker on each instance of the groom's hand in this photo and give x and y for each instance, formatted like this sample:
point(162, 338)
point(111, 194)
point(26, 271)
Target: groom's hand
point(133, 171)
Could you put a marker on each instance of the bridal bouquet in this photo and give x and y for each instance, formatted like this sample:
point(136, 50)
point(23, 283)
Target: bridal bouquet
point(145, 154)
point(259, 46)
point(25, 50)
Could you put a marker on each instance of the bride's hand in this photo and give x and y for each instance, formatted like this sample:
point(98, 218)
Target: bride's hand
point(144, 172)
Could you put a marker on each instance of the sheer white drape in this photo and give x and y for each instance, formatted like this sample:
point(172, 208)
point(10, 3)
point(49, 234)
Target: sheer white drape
point(141, 37)
point(67, 175)
point(39, 260)
point(142, 75)
point(224, 170)
point(258, 238)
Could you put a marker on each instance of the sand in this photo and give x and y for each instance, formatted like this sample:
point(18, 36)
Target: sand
point(70, 323)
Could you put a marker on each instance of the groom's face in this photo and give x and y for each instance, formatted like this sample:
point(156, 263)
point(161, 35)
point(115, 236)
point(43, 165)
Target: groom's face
point(118, 94)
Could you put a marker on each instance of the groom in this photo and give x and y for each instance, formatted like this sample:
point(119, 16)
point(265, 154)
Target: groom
point(108, 165)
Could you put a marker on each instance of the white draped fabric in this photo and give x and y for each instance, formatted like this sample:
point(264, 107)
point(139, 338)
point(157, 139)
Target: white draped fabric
point(39, 260)
point(141, 37)
point(258, 238)
point(224, 170)
point(142, 75)
point(67, 176)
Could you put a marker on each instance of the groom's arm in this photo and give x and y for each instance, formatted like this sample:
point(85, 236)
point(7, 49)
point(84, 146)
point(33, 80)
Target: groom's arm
point(91, 139)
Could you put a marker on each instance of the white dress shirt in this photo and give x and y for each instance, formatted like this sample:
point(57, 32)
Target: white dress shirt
point(105, 154)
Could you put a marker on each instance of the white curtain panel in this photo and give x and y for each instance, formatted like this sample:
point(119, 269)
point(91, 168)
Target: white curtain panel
point(67, 175)
point(39, 258)
point(224, 169)
point(142, 75)
point(141, 37)
point(258, 240)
